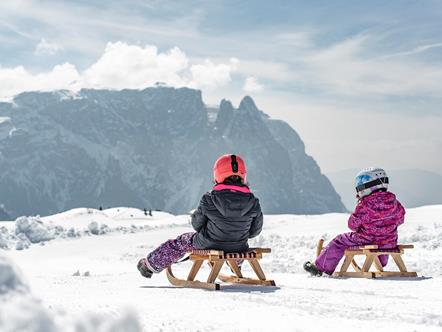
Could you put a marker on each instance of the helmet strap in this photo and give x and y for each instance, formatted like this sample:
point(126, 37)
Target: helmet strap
point(372, 184)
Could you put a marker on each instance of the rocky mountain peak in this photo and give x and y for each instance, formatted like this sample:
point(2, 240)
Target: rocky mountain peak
point(225, 106)
point(248, 104)
point(152, 148)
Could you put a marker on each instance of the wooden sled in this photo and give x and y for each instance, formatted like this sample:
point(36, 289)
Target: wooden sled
point(216, 260)
point(371, 253)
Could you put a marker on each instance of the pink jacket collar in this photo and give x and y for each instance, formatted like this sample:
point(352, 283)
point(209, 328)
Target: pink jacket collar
point(231, 188)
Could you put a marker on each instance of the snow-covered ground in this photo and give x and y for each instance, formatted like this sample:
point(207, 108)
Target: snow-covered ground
point(76, 272)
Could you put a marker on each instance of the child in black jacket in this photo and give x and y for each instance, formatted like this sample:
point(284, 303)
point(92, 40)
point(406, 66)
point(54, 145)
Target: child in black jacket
point(225, 219)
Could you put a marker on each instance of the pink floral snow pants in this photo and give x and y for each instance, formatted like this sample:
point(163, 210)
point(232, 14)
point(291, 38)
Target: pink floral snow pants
point(332, 254)
point(170, 251)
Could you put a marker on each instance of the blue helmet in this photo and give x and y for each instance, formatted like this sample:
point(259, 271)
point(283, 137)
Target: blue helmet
point(369, 180)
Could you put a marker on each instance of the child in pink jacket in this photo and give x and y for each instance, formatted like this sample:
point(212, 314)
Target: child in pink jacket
point(374, 221)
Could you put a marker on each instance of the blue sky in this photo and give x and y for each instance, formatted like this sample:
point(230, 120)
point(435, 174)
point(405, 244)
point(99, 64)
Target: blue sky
point(360, 80)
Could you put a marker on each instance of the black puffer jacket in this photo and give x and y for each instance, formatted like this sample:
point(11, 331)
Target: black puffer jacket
point(226, 219)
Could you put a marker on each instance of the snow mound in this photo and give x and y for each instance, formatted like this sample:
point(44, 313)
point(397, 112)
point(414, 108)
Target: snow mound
point(10, 277)
point(97, 229)
point(127, 322)
point(27, 313)
point(21, 311)
point(33, 228)
point(79, 222)
point(4, 237)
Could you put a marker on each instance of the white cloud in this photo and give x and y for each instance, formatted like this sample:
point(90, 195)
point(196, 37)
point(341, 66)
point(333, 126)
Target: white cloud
point(211, 75)
point(46, 48)
point(252, 85)
point(18, 79)
point(132, 66)
point(122, 66)
point(343, 68)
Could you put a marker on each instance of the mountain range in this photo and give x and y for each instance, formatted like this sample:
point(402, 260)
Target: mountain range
point(151, 148)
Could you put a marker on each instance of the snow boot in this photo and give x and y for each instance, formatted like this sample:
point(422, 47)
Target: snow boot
point(312, 269)
point(144, 270)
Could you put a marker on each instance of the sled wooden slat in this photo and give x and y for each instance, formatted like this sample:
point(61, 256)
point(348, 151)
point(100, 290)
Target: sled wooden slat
point(361, 274)
point(370, 246)
point(399, 262)
point(216, 260)
point(368, 262)
point(245, 281)
point(232, 264)
point(319, 247)
point(378, 264)
point(355, 265)
point(195, 268)
point(215, 271)
point(189, 283)
point(395, 274)
point(347, 261)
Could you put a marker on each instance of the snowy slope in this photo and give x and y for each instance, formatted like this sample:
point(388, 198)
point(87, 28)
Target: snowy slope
point(108, 285)
point(114, 217)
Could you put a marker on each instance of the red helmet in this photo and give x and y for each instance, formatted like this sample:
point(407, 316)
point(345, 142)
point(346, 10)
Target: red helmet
point(228, 165)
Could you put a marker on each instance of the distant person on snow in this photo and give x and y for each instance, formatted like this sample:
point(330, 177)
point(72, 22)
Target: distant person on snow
point(374, 221)
point(225, 219)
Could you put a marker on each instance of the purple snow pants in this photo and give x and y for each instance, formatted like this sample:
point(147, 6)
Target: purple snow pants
point(170, 252)
point(332, 254)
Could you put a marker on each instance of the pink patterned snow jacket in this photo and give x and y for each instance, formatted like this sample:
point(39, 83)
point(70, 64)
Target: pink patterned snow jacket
point(377, 217)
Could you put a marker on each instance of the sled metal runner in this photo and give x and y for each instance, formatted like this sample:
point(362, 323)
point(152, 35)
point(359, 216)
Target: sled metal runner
point(372, 253)
point(216, 260)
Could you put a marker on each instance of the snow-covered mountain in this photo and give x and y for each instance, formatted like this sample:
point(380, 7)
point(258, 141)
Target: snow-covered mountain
point(152, 149)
